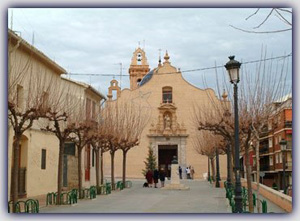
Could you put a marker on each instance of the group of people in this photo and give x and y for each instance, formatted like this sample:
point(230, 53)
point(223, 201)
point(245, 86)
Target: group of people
point(153, 177)
point(189, 172)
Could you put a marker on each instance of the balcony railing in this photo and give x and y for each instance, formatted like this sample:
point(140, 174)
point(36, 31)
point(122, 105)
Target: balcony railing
point(288, 124)
point(288, 165)
point(264, 167)
point(264, 149)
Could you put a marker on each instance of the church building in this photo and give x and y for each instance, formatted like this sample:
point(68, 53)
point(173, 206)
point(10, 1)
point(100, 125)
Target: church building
point(172, 127)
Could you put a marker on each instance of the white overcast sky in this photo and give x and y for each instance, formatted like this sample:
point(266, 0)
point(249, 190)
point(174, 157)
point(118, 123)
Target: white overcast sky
point(96, 40)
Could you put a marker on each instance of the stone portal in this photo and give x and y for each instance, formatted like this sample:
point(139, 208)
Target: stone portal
point(165, 156)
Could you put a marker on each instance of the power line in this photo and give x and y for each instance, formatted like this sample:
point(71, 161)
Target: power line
point(191, 70)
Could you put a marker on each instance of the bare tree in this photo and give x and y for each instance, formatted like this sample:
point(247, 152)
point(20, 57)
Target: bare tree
point(83, 136)
point(99, 144)
point(258, 89)
point(284, 15)
point(61, 120)
point(206, 143)
point(133, 120)
point(28, 90)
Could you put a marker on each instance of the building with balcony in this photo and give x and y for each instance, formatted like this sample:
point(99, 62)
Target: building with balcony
point(271, 158)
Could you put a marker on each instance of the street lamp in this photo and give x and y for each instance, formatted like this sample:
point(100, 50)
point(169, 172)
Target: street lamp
point(233, 68)
point(228, 152)
point(283, 144)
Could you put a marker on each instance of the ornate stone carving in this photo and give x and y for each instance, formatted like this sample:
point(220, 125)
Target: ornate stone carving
point(167, 124)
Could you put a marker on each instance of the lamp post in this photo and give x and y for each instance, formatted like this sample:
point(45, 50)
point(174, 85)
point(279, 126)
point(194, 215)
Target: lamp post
point(283, 144)
point(233, 67)
point(228, 152)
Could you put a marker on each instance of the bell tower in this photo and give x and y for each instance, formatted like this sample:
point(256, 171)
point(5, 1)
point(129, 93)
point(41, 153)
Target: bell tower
point(139, 67)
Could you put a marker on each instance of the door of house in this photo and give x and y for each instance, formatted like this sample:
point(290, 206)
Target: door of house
point(165, 157)
point(87, 162)
point(21, 176)
point(65, 171)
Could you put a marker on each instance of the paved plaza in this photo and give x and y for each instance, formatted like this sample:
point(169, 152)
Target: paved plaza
point(201, 198)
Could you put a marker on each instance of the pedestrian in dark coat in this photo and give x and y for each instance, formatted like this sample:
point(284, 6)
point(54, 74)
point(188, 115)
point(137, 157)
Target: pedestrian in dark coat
point(149, 178)
point(162, 176)
point(180, 172)
point(155, 177)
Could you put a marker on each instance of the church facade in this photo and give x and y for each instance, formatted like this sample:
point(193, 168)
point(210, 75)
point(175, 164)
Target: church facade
point(172, 127)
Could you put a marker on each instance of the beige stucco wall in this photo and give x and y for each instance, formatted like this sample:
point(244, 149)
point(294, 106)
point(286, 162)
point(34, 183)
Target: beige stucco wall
point(42, 72)
point(37, 75)
point(185, 98)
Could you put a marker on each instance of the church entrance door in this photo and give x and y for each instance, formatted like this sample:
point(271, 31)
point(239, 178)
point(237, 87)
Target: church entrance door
point(165, 156)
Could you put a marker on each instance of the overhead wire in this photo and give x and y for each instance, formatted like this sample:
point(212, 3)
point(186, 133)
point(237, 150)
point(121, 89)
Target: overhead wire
point(190, 70)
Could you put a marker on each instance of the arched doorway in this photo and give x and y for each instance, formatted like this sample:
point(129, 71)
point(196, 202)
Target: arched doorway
point(22, 173)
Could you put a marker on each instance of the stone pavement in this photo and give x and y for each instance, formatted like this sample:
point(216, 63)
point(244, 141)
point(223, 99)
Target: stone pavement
point(201, 198)
point(271, 207)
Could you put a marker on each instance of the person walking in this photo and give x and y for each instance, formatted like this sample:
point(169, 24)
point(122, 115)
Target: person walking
point(162, 176)
point(149, 178)
point(180, 172)
point(155, 177)
point(188, 173)
point(192, 172)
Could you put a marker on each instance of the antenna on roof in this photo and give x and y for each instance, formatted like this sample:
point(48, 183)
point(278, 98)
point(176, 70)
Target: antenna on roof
point(139, 43)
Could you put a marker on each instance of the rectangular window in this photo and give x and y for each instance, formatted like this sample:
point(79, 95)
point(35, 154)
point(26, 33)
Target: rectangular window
point(87, 162)
point(271, 160)
point(280, 157)
point(88, 109)
point(167, 95)
point(20, 97)
point(69, 149)
point(45, 100)
point(276, 158)
point(93, 158)
point(270, 142)
point(43, 166)
point(94, 110)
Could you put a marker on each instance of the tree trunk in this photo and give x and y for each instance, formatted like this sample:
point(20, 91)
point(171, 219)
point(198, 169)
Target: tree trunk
point(101, 169)
point(124, 167)
point(112, 158)
point(213, 169)
point(79, 172)
point(97, 167)
point(257, 176)
point(208, 171)
point(248, 174)
point(15, 172)
point(60, 170)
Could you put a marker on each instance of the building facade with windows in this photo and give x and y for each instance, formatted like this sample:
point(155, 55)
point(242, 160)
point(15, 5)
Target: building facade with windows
point(272, 158)
point(31, 73)
point(88, 108)
point(171, 101)
point(29, 69)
